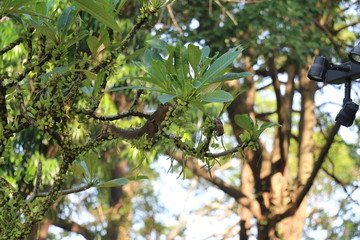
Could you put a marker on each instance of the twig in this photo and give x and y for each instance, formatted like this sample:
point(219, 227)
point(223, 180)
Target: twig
point(183, 146)
point(342, 184)
point(37, 182)
point(11, 45)
point(227, 12)
point(68, 191)
point(176, 25)
point(136, 99)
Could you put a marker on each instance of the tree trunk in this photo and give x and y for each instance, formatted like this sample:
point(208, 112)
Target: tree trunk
point(119, 219)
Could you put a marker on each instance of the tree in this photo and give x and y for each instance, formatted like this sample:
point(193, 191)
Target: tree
point(281, 38)
point(54, 109)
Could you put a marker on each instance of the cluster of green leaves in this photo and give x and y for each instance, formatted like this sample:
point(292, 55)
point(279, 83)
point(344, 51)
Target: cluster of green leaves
point(87, 168)
point(252, 129)
point(186, 73)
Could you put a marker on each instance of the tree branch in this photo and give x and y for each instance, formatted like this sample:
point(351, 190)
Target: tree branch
point(301, 195)
point(37, 182)
point(342, 184)
point(68, 191)
point(72, 226)
point(116, 116)
point(241, 198)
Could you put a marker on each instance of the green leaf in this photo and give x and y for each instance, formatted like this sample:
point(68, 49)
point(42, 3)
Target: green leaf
point(244, 121)
point(158, 43)
point(216, 96)
point(65, 19)
point(181, 63)
point(158, 69)
point(170, 60)
point(205, 51)
point(220, 64)
point(149, 57)
point(44, 30)
point(166, 98)
point(87, 91)
point(133, 87)
point(135, 54)
point(263, 127)
point(121, 4)
point(194, 53)
point(74, 40)
point(80, 168)
point(114, 183)
point(196, 84)
point(61, 70)
point(99, 13)
point(232, 76)
point(93, 44)
point(140, 177)
point(88, 73)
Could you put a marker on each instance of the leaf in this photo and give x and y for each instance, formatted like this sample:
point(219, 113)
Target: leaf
point(93, 44)
point(205, 51)
point(149, 57)
point(88, 73)
point(166, 98)
point(170, 60)
point(121, 4)
point(114, 183)
point(80, 168)
point(140, 177)
point(196, 84)
point(220, 64)
point(44, 30)
point(232, 76)
point(61, 70)
point(87, 91)
point(99, 13)
point(158, 43)
point(158, 69)
point(181, 63)
point(263, 127)
point(132, 87)
point(135, 54)
point(216, 96)
point(244, 121)
point(65, 19)
point(194, 53)
point(74, 40)
point(121, 181)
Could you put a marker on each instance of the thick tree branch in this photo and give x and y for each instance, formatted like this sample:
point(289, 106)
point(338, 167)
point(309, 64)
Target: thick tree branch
point(301, 195)
point(72, 226)
point(116, 116)
point(347, 25)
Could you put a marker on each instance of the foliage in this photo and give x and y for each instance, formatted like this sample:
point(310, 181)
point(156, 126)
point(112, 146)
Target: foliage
point(53, 132)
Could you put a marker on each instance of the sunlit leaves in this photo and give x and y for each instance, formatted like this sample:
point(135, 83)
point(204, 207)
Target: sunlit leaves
point(99, 13)
point(187, 72)
point(252, 129)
